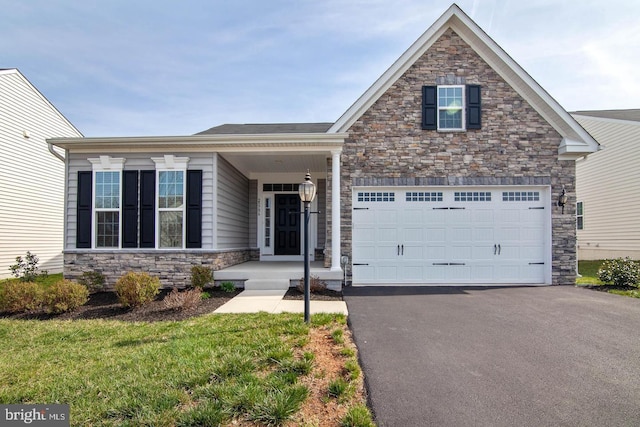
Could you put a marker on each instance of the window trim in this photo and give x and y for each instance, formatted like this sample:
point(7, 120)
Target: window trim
point(98, 165)
point(171, 163)
point(463, 108)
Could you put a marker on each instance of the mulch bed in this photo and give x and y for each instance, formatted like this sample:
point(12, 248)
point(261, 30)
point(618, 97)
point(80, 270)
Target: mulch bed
point(325, 295)
point(105, 305)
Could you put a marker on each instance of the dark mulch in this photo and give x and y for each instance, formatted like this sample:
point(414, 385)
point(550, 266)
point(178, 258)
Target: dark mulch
point(325, 295)
point(105, 305)
point(607, 288)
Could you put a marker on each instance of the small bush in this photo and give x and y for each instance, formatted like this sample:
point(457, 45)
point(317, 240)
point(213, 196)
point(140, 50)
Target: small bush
point(620, 272)
point(201, 276)
point(20, 297)
point(135, 289)
point(93, 280)
point(339, 388)
point(228, 286)
point(315, 284)
point(205, 295)
point(185, 300)
point(357, 416)
point(64, 296)
point(27, 269)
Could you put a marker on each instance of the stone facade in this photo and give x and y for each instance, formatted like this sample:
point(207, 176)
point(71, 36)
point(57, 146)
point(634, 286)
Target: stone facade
point(515, 146)
point(172, 267)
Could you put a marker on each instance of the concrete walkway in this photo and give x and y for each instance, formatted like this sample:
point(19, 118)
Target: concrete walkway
point(271, 301)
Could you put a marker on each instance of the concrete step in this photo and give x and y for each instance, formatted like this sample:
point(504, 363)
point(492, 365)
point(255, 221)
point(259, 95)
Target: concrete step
point(266, 284)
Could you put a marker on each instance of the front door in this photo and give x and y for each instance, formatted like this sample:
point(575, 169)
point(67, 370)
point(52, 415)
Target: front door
point(287, 224)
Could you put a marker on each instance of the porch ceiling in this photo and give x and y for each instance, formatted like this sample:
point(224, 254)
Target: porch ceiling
point(278, 162)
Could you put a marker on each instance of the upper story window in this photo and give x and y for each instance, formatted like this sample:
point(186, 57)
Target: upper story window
point(580, 216)
point(451, 107)
point(107, 172)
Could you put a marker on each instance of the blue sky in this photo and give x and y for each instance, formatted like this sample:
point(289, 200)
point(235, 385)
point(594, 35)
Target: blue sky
point(141, 67)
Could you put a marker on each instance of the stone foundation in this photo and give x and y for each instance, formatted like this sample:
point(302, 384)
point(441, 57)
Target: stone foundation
point(172, 267)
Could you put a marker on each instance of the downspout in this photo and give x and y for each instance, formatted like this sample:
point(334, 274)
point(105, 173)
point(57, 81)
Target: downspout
point(54, 152)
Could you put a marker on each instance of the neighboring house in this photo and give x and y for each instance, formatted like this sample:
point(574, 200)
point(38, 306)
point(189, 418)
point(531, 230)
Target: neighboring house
point(446, 170)
point(31, 177)
point(608, 186)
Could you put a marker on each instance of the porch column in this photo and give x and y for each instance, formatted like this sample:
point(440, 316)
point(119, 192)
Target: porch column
point(335, 210)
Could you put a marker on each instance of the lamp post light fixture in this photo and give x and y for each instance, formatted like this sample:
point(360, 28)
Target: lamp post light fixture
point(562, 199)
point(307, 192)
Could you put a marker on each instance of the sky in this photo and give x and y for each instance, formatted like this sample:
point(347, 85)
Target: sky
point(161, 67)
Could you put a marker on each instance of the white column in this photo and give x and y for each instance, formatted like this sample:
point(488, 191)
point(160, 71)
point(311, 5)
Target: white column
point(335, 210)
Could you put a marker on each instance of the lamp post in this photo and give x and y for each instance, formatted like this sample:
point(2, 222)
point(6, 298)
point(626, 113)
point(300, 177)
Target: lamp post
point(562, 199)
point(307, 192)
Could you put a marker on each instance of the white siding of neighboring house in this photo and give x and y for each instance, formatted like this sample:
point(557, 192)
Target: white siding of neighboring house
point(232, 207)
point(31, 178)
point(608, 184)
point(138, 161)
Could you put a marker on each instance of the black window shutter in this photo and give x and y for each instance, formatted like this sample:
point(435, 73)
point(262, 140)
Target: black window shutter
point(194, 209)
point(473, 107)
point(429, 107)
point(130, 209)
point(83, 210)
point(148, 209)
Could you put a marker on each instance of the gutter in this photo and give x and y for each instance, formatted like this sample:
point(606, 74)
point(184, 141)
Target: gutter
point(55, 153)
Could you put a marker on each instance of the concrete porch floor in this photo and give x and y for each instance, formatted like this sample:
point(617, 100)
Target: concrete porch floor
point(292, 270)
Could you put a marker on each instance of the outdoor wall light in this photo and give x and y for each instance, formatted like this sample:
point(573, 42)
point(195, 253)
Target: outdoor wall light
point(562, 199)
point(307, 192)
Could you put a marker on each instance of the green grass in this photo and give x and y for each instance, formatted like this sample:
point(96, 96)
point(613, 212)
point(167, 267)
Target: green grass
point(45, 280)
point(206, 370)
point(589, 272)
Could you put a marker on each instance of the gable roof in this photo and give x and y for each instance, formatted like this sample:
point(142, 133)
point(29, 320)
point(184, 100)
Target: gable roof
point(632, 115)
point(267, 128)
point(576, 142)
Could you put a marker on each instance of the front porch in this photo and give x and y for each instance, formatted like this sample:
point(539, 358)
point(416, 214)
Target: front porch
point(277, 274)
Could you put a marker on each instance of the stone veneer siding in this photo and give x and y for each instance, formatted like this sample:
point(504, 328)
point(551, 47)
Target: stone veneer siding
point(172, 267)
point(515, 146)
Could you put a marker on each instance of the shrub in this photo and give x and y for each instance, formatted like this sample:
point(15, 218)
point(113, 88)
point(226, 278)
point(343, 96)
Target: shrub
point(20, 297)
point(620, 272)
point(228, 286)
point(315, 284)
point(135, 289)
point(27, 269)
point(201, 276)
point(93, 280)
point(64, 296)
point(185, 300)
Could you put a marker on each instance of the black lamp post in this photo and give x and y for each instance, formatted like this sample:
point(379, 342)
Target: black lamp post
point(562, 199)
point(307, 192)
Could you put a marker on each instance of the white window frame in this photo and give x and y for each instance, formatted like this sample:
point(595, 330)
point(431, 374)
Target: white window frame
point(98, 165)
point(171, 163)
point(444, 108)
point(579, 215)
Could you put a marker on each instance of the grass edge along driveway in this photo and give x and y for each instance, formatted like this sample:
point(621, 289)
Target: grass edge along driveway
point(207, 370)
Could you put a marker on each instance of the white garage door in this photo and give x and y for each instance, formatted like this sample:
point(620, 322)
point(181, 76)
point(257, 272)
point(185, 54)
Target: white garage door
point(454, 235)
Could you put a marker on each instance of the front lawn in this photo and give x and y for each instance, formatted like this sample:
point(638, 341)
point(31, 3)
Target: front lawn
point(250, 369)
point(589, 272)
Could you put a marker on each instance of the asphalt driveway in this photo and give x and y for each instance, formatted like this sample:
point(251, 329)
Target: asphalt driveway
point(525, 356)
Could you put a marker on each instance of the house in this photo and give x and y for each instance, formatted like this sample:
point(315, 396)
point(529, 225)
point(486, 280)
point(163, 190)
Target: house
point(31, 175)
point(607, 220)
point(447, 169)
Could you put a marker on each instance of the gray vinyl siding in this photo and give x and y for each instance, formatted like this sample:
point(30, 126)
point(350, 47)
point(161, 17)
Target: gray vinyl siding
point(608, 184)
point(253, 213)
point(232, 207)
point(31, 178)
point(142, 161)
point(322, 213)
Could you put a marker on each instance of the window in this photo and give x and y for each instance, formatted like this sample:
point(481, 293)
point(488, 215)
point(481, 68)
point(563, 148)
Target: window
point(267, 222)
point(472, 196)
point(421, 196)
point(170, 208)
point(107, 194)
point(520, 196)
point(450, 107)
point(107, 209)
point(376, 196)
point(580, 216)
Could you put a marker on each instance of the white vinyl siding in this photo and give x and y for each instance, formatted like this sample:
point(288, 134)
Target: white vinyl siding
point(31, 178)
point(608, 185)
point(232, 207)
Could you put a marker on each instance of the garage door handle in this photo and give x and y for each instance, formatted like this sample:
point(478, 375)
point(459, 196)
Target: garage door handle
point(539, 207)
point(357, 263)
point(398, 249)
point(402, 247)
point(360, 209)
point(536, 263)
point(457, 263)
point(495, 249)
point(440, 263)
point(499, 249)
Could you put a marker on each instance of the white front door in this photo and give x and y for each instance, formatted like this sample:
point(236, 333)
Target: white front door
point(451, 235)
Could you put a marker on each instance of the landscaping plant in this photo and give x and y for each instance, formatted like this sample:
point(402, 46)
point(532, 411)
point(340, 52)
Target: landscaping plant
point(315, 284)
point(93, 280)
point(201, 276)
point(135, 289)
point(185, 300)
point(20, 297)
point(27, 269)
point(228, 286)
point(64, 296)
point(620, 272)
